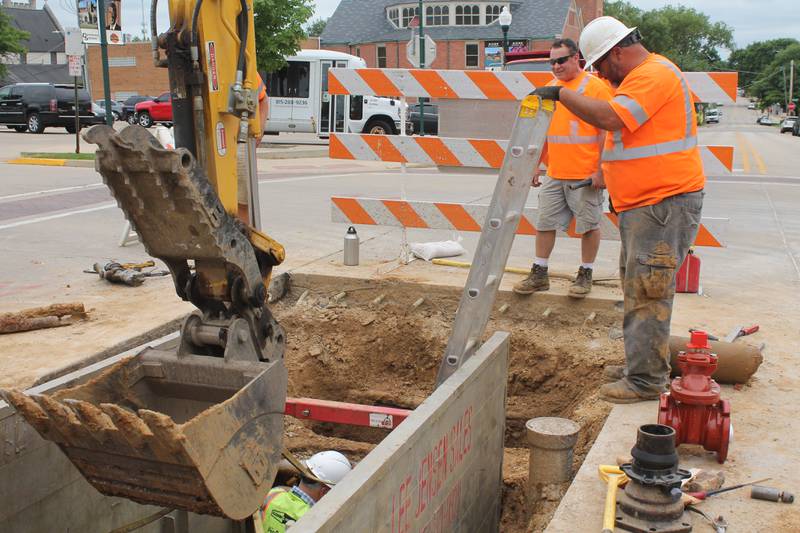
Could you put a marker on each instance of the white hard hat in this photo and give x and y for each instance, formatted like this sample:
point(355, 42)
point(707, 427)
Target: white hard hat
point(329, 467)
point(601, 35)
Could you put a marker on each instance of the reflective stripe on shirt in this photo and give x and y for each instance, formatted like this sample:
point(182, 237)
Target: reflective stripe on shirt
point(620, 153)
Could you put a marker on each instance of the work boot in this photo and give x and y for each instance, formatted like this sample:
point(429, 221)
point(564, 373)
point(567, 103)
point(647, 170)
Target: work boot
point(621, 392)
point(537, 280)
point(614, 372)
point(582, 284)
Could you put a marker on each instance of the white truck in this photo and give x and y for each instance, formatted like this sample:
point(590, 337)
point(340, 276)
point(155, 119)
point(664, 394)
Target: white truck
point(299, 100)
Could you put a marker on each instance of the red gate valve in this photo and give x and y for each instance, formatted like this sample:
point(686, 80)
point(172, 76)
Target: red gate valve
point(693, 407)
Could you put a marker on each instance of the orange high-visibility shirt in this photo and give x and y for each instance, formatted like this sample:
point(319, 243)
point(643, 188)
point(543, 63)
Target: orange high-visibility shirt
point(573, 146)
point(655, 155)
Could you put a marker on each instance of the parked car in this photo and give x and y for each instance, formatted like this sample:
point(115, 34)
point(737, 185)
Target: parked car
point(35, 106)
point(129, 107)
point(751, 105)
point(116, 108)
point(766, 120)
point(713, 115)
point(150, 112)
point(796, 128)
point(431, 118)
point(788, 124)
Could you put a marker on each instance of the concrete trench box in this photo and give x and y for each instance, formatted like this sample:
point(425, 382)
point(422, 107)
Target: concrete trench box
point(435, 471)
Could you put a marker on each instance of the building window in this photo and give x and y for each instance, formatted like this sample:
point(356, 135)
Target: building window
point(468, 15)
point(437, 16)
point(381, 56)
point(492, 13)
point(471, 54)
point(358, 51)
point(408, 14)
point(394, 17)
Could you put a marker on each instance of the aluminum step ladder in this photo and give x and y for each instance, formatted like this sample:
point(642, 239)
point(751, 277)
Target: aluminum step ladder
point(508, 201)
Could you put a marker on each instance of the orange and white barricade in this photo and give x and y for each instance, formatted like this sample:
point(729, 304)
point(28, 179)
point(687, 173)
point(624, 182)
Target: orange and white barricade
point(717, 87)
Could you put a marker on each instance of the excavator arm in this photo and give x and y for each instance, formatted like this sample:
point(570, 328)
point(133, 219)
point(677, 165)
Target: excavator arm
point(197, 426)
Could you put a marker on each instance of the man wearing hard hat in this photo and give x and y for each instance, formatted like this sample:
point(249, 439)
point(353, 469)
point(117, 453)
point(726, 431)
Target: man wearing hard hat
point(654, 176)
point(282, 508)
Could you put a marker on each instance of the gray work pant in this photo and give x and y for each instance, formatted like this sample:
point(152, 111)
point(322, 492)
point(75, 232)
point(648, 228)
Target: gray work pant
point(655, 242)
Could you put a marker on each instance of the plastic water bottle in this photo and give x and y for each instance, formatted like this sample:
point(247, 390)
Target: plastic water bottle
point(351, 247)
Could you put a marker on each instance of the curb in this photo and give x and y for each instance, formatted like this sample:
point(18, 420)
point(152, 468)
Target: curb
point(293, 154)
point(41, 161)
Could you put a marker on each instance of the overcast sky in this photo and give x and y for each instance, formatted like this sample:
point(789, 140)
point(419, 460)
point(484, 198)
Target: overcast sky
point(751, 20)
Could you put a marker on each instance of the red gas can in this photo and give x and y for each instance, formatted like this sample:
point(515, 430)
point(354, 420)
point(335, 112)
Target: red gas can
point(688, 277)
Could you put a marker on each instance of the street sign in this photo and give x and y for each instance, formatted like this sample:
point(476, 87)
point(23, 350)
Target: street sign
point(75, 65)
point(73, 41)
point(412, 51)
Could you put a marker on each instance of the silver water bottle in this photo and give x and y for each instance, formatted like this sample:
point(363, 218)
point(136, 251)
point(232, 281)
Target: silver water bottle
point(351, 247)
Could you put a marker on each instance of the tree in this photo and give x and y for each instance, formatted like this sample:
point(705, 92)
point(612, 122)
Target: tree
point(10, 38)
point(753, 59)
point(316, 27)
point(772, 85)
point(279, 30)
point(684, 35)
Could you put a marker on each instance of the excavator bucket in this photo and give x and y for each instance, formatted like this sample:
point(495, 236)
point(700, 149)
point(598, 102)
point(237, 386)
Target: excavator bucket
point(198, 427)
point(190, 432)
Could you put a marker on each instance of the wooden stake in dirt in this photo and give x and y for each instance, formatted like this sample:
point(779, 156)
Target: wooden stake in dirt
point(51, 316)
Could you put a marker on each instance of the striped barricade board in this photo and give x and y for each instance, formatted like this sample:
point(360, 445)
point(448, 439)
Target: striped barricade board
point(468, 217)
point(719, 87)
point(456, 152)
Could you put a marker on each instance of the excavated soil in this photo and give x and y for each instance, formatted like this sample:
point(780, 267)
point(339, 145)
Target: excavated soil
point(353, 348)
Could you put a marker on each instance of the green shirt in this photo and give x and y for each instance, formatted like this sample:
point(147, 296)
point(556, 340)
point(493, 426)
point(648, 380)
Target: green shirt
point(283, 509)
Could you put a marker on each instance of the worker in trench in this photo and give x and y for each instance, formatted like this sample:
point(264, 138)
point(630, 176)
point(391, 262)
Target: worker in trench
point(655, 178)
point(572, 154)
point(284, 506)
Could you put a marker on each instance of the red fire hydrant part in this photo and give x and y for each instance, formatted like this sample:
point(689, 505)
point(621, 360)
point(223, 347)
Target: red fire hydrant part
point(693, 407)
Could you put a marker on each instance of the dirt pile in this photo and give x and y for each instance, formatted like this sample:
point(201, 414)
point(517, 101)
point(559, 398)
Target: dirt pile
point(373, 346)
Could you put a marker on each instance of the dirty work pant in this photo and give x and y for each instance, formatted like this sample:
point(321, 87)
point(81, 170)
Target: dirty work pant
point(655, 241)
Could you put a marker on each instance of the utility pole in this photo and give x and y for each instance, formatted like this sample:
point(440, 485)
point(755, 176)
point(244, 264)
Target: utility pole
point(101, 17)
point(421, 65)
point(791, 85)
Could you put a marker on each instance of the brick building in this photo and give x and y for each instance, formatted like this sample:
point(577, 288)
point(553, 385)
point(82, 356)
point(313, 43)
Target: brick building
point(467, 33)
point(131, 70)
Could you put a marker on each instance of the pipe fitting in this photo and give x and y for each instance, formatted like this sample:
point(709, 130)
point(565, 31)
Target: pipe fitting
point(551, 441)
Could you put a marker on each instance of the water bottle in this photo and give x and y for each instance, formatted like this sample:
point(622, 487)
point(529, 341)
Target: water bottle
point(351, 247)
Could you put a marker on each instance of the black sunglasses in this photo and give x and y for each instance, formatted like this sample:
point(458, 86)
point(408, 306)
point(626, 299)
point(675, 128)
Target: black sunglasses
point(560, 60)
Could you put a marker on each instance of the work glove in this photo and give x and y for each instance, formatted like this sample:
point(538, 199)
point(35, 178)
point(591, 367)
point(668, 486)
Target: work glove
point(548, 92)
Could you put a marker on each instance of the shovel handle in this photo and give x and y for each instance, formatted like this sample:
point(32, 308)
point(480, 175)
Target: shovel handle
point(610, 508)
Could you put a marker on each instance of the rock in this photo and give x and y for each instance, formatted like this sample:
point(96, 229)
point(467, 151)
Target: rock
point(705, 480)
point(368, 320)
point(314, 351)
point(615, 333)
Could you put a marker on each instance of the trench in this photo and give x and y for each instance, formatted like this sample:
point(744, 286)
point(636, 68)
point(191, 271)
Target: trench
point(355, 349)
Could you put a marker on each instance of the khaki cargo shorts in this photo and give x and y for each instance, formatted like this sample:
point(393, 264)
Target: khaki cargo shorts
point(558, 204)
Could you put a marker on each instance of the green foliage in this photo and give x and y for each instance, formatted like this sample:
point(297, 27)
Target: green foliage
point(684, 35)
point(9, 39)
point(316, 27)
point(753, 59)
point(771, 86)
point(279, 30)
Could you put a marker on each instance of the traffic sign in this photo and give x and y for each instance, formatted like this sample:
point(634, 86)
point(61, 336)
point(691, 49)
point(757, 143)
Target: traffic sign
point(75, 66)
point(412, 51)
point(73, 42)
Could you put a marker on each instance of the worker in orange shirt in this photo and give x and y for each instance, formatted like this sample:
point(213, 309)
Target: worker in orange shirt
point(573, 154)
point(655, 178)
